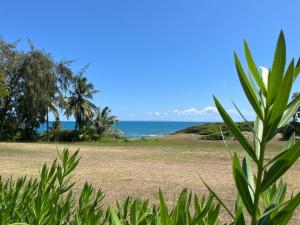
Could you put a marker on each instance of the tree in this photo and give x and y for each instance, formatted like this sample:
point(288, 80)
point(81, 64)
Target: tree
point(64, 77)
point(79, 103)
point(56, 125)
point(3, 89)
point(104, 121)
point(10, 62)
point(38, 90)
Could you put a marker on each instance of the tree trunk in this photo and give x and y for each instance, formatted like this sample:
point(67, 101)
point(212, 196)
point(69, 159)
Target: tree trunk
point(48, 124)
point(3, 117)
point(1, 126)
point(76, 124)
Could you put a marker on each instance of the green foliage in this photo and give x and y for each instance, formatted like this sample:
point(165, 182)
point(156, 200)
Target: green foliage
point(56, 125)
point(79, 103)
point(261, 195)
point(49, 200)
point(38, 87)
point(89, 134)
point(3, 89)
point(62, 135)
point(104, 122)
point(211, 131)
point(35, 84)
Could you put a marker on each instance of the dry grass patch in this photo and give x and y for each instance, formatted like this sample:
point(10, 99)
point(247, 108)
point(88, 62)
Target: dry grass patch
point(139, 169)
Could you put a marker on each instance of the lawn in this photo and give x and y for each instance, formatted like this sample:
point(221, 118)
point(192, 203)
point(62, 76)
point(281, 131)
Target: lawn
point(139, 167)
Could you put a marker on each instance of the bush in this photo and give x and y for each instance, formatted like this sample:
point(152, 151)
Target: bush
point(62, 135)
point(212, 131)
point(287, 131)
point(261, 191)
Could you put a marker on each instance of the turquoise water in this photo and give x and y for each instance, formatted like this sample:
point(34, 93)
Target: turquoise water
point(138, 129)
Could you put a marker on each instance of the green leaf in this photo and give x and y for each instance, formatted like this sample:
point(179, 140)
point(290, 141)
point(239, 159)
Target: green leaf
point(297, 69)
point(254, 70)
point(235, 130)
point(114, 217)
point(164, 215)
point(282, 97)
point(277, 70)
point(291, 109)
point(248, 173)
point(247, 87)
point(242, 185)
point(258, 128)
point(280, 56)
point(240, 219)
point(286, 213)
point(280, 103)
point(217, 197)
point(281, 163)
point(266, 217)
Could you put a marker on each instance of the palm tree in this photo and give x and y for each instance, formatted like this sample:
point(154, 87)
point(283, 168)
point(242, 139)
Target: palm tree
point(79, 104)
point(56, 125)
point(104, 121)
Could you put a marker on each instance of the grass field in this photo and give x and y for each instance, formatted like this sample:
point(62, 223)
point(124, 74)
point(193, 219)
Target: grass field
point(140, 167)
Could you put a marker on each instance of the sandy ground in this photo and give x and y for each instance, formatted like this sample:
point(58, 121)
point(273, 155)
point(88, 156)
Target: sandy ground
point(139, 170)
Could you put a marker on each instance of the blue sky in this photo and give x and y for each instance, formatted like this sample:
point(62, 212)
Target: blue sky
point(157, 59)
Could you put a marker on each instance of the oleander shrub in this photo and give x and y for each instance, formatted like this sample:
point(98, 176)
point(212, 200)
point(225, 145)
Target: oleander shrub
point(262, 194)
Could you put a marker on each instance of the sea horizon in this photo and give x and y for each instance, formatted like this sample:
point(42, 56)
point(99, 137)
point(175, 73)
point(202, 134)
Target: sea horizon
point(138, 129)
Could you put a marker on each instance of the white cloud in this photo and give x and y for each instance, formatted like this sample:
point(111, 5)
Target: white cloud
point(209, 111)
point(193, 111)
point(154, 113)
point(132, 115)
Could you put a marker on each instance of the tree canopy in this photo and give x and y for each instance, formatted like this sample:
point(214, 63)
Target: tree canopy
point(33, 84)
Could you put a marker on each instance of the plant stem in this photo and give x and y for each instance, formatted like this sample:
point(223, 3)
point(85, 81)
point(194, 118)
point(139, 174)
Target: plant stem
point(260, 167)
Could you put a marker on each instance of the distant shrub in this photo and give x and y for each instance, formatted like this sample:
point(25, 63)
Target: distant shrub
point(212, 131)
point(287, 131)
point(62, 135)
point(86, 134)
point(89, 134)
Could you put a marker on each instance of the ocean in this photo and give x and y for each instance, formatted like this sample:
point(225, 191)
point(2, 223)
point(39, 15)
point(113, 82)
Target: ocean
point(139, 129)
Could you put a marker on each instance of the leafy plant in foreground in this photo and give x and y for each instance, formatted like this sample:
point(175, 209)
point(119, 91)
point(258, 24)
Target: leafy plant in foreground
point(268, 93)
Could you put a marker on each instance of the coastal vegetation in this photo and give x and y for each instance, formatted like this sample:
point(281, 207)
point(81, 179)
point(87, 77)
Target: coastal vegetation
point(215, 131)
point(33, 85)
point(219, 130)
